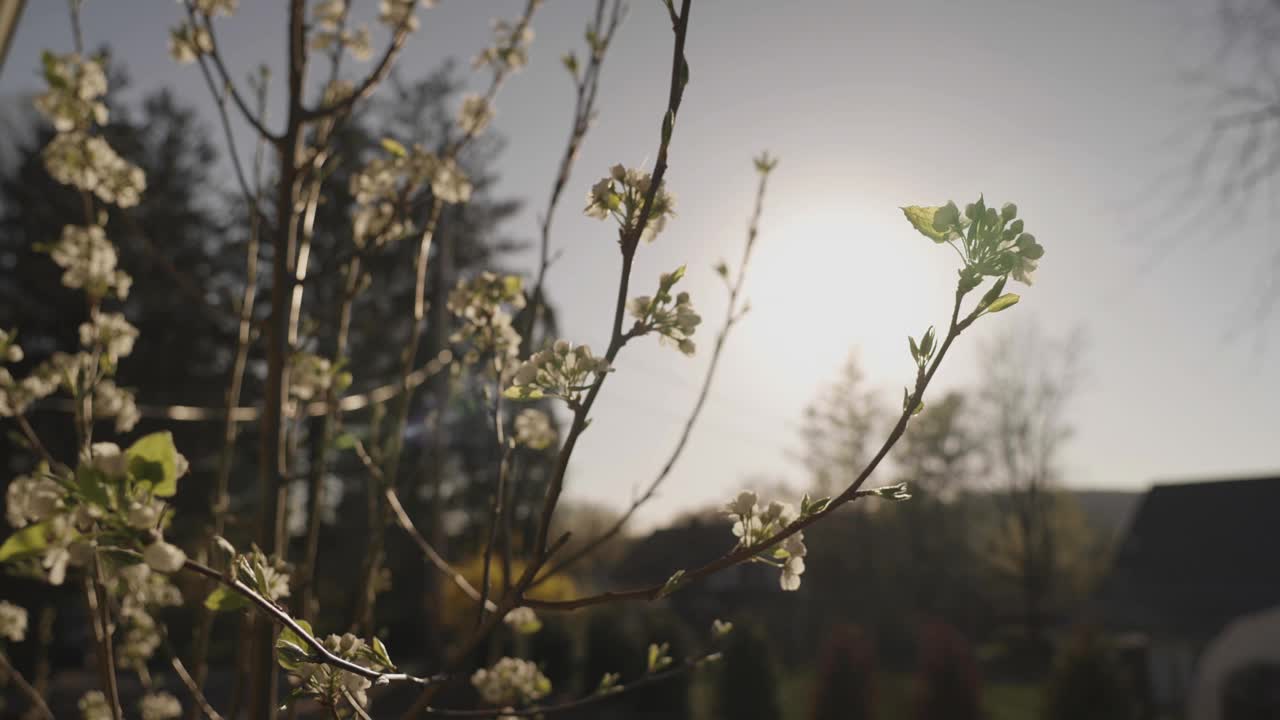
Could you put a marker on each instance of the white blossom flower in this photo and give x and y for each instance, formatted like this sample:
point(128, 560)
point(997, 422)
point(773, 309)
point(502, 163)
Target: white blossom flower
point(164, 557)
point(622, 194)
point(159, 706)
point(523, 620)
point(218, 7)
point(397, 13)
point(534, 430)
point(481, 303)
point(88, 163)
point(744, 505)
point(475, 114)
point(75, 84)
point(13, 621)
point(791, 572)
point(510, 682)
point(10, 350)
point(672, 317)
point(107, 458)
point(309, 375)
point(111, 400)
point(186, 43)
point(30, 500)
point(94, 706)
point(88, 260)
point(510, 49)
point(753, 525)
point(110, 333)
point(720, 628)
point(559, 371)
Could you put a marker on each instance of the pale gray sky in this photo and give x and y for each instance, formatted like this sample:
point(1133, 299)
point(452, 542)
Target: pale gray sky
point(1070, 109)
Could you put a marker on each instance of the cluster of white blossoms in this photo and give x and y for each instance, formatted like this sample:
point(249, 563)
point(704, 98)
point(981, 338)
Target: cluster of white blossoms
point(329, 31)
point(188, 42)
point(139, 589)
point(511, 682)
point(382, 189)
point(395, 13)
point(622, 195)
point(332, 685)
point(510, 49)
point(65, 371)
point(217, 7)
point(13, 622)
point(534, 430)
point(76, 86)
point(86, 162)
point(309, 375)
point(159, 706)
point(561, 371)
point(268, 575)
point(485, 304)
point(109, 334)
point(88, 261)
point(120, 492)
point(475, 114)
point(672, 317)
point(752, 524)
point(523, 620)
point(10, 350)
point(94, 706)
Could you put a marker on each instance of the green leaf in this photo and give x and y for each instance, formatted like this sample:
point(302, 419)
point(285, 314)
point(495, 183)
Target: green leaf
point(1003, 302)
point(345, 441)
point(154, 459)
point(394, 147)
point(380, 651)
point(672, 584)
point(292, 650)
point(92, 486)
point(921, 218)
point(224, 599)
point(30, 540)
point(522, 392)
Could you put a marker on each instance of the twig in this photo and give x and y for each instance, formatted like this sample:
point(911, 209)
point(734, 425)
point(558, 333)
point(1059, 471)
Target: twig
point(730, 319)
point(850, 493)
point(32, 694)
point(230, 86)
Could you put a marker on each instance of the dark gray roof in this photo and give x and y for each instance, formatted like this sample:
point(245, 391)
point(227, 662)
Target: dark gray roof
point(1196, 555)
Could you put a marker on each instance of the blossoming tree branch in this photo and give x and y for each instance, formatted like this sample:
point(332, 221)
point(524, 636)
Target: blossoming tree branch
point(101, 519)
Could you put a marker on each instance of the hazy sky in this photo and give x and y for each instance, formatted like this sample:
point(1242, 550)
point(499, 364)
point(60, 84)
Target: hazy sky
point(1070, 109)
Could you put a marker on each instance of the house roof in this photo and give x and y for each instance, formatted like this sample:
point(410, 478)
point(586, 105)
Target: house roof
point(1196, 555)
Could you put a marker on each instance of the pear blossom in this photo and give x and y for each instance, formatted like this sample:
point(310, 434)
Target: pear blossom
point(110, 333)
point(13, 622)
point(94, 706)
point(88, 260)
point(511, 682)
point(400, 13)
point(510, 49)
point(331, 684)
point(164, 557)
point(622, 195)
point(672, 317)
point(534, 430)
point(753, 525)
point(186, 43)
point(159, 706)
point(309, 375)
point(30, 500)
point(88, 163)
point(523, 620)
point(475, 114)
point(75, 86)
point(217, 7)
point(559, 371)
point(482, 304)
point(10, 350)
